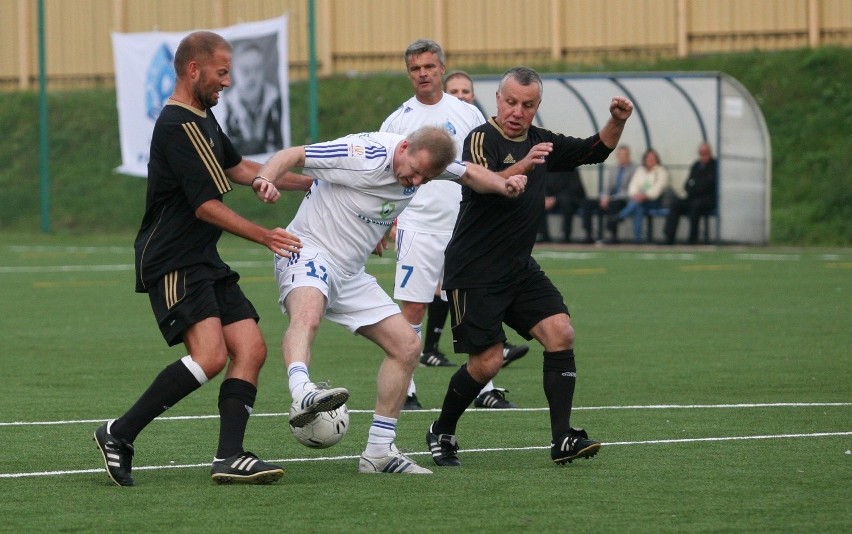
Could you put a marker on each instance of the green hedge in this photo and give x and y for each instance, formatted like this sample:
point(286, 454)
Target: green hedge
point(804, 96)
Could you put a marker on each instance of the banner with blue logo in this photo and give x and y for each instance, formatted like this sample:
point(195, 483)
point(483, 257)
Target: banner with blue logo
point(254, 111)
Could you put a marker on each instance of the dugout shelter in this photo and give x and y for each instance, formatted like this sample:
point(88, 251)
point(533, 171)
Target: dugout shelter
point(674, 112)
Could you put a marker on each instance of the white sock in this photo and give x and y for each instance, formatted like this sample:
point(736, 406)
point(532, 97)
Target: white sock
point(488, 387)
point(298, 377)
point(412, 389)
point(381, 436)
point(194, 368)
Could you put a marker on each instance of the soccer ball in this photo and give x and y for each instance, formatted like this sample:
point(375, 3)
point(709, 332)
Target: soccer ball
point(325, 430)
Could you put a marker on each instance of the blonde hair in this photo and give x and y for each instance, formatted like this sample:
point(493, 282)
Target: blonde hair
point(437, 142)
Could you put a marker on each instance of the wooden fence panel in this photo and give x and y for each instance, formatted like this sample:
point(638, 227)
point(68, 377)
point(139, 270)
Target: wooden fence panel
point(370, 35)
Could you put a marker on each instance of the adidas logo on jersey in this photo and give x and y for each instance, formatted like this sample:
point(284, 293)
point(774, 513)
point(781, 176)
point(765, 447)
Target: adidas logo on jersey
point(509, 160)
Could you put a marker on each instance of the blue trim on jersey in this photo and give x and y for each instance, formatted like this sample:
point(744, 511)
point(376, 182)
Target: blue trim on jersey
point(342, 150)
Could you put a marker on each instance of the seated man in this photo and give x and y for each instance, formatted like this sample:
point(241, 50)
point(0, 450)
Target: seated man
point(700, 195)
point(564, 195)
point(613, 196)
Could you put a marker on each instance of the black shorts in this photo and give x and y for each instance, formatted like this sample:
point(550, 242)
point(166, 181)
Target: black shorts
point(188, 296)
point(478, 314)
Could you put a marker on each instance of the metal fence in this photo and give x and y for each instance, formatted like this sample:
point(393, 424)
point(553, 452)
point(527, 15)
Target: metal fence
point(357, 36)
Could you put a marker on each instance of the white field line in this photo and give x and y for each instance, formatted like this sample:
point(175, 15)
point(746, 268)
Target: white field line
point(563, 255)
point(435, 410)
point(333, 458)
point(498, 449)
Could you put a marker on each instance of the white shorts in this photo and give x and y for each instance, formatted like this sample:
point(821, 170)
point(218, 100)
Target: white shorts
point(351, 301)
point(419, 265)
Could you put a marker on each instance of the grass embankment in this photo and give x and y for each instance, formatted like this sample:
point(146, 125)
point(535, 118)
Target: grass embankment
point(804, 96)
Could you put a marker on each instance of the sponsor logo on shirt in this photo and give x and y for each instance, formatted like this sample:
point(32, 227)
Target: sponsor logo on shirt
point(385, 213)
point(509, 160)
point(356, 151)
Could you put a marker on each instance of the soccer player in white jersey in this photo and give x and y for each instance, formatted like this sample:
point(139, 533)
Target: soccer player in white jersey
point(361, 184)
point(425, 227)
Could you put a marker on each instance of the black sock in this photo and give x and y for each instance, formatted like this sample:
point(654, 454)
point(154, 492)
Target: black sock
point(460, 393)
point(438, 311)
point(168, 388)
point(236, 399)
point(560, 377)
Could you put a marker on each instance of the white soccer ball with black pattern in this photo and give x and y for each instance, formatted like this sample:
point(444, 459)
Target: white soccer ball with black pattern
point(327, 429)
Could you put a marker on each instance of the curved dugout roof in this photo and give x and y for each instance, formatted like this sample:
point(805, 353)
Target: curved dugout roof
point(673, 113)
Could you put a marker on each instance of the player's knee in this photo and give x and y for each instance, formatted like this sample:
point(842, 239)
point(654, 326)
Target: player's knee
point(408, 351)
point(414, 312)
point(257, 352)
point(555, 332)
point(412, 351)
point(486, 364)
point(307, 321)
point(212, 363)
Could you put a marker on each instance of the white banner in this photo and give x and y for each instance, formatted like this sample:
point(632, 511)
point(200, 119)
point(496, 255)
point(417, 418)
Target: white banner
point(254, 111)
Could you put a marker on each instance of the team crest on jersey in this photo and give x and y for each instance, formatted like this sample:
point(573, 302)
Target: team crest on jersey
point(356, 151)
point(387, 209)
point(450, 128)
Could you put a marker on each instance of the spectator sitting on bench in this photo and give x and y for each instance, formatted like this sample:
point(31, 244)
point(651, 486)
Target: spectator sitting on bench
point(564, 195)
point(700, 195)
point(650, 180)
point(613, 195)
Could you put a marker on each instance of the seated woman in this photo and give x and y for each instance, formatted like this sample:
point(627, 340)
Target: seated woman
point(647, 185)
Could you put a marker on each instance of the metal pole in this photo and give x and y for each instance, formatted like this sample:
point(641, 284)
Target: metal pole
point(313, 97)
point(44, 169)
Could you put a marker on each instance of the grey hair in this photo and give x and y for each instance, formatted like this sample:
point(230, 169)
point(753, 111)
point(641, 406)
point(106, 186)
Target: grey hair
point(437, 142)
point(421, 46)
point(524, 76)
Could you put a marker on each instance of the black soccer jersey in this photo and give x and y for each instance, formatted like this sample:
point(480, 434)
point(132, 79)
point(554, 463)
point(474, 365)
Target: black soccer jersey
point(494, 235)
point(189, 152)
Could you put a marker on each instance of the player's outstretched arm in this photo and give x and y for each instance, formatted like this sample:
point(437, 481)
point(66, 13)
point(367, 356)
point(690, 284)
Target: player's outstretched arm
point(277, 240)
point(277, 168)
point(484, 181)
point(620, 110)
point(246, 172)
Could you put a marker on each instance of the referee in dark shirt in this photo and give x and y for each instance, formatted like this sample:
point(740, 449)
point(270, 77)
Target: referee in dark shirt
point(194, 294)
point(490, 275)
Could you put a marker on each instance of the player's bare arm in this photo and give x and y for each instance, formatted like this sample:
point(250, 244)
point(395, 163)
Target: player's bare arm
point(484, 181)
point(620, 109)
point(278, 166)
point(277, 240)
point(245, 173)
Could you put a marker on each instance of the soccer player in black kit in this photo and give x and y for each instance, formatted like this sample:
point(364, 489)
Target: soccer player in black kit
point(194, 294)
point(490, 275)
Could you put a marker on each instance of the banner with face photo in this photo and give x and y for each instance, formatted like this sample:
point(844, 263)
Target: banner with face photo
point(253, 111)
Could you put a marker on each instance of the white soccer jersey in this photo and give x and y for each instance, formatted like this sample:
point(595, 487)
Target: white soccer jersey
point(436, 204)
point(355, 196)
